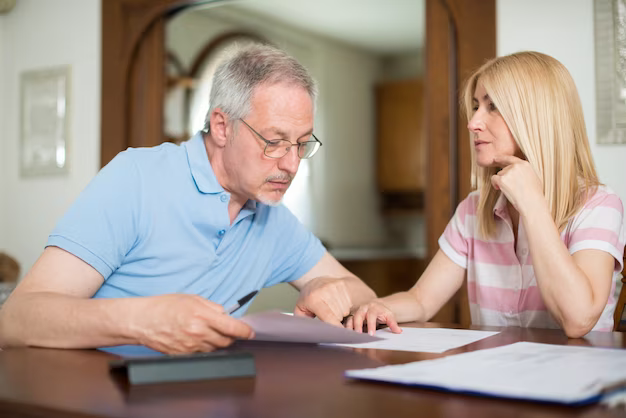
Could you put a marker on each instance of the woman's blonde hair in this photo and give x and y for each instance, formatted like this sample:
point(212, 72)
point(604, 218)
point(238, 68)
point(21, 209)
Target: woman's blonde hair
point(538, 100)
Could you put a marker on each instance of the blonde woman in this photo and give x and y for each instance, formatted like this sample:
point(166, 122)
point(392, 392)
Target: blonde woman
point(540, 240)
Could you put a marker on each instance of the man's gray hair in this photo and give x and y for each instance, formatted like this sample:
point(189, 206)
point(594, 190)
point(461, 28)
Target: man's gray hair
point(244, 69)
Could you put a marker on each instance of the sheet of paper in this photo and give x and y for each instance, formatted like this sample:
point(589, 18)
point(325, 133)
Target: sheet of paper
point(425, 340)
point(544, 372)
point(277, 326)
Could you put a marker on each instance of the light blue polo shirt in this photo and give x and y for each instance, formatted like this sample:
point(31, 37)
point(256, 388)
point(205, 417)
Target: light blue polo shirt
point(155, 221)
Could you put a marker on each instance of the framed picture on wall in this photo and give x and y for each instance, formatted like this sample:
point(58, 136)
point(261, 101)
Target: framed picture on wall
point(44, 110)
point(610, 57)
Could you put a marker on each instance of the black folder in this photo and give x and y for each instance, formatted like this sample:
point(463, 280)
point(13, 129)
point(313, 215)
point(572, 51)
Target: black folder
point(183, 368)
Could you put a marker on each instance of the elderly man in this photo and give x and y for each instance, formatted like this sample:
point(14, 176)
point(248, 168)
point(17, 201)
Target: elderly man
point(163, 238)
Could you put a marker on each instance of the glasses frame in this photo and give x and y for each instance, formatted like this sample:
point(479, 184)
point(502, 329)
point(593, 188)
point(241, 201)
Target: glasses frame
point(297, 144)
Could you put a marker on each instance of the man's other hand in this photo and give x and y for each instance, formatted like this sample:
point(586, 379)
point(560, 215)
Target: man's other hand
point(181, 323)
point(326, 298)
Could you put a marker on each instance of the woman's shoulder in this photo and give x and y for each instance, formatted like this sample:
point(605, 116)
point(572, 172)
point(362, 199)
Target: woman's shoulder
point(471, 200)
point(468, 205)
point(604, 197)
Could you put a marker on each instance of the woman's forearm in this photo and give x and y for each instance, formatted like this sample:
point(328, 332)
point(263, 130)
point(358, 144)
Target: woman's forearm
point(405, 307)
point(564, 287)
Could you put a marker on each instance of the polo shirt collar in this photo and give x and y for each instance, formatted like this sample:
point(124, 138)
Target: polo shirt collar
point(499, 208)
point(201, 170)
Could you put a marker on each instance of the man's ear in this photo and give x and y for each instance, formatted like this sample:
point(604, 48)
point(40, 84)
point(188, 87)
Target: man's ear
point(220, 128)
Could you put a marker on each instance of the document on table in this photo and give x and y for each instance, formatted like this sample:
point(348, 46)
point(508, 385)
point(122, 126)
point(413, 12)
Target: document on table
point(425, 340)
point(278, 326)
point(532, 371)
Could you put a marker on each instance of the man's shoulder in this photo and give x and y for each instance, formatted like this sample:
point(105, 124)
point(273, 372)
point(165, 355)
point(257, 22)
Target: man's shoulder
point(152, 161)
point(153, 155)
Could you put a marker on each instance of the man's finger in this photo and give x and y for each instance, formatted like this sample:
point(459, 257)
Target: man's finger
point(230, 327)
point(326, 314)
point(349, 322)
point(303, 312)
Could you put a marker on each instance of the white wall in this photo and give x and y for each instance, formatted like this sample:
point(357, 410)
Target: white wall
point(564, 29)
point(37, 35)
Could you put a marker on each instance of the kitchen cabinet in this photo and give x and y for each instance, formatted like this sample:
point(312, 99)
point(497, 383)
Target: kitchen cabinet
point(401, 153)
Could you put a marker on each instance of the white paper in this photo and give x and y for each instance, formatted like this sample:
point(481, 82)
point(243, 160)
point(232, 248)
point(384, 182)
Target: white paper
point(553, 373)
point(277, 326)
point(425, 340)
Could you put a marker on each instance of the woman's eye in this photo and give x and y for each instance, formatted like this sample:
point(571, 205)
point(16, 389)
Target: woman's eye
point(492, 106)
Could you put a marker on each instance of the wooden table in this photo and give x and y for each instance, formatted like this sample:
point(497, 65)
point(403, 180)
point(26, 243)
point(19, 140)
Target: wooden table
point(293, 381)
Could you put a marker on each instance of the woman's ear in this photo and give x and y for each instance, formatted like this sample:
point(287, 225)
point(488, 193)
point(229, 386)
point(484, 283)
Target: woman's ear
point(220, 129)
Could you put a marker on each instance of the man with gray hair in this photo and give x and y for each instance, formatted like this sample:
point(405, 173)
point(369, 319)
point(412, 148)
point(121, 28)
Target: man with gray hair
point(164, 238)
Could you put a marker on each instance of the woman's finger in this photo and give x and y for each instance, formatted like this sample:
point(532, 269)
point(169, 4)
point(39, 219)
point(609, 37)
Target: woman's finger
point(372, 320)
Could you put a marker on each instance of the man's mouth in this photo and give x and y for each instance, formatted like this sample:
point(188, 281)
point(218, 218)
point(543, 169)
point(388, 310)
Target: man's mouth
point(279, 184)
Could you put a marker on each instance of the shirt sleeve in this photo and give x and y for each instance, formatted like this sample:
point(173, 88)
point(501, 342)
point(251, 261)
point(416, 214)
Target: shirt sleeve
point(102, 224)
point(599, 226)
point(453, 241)
point(297, 251)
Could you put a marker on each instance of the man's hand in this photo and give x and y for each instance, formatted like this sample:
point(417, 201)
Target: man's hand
point(180, 323)
point(327, 298)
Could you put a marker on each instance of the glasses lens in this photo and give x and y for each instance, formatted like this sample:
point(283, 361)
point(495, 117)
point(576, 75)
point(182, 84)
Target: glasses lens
point(277, 148)
point(308, 149)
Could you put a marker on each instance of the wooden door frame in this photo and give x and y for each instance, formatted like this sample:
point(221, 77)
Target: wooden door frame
point(460, 36)
point(133, 73)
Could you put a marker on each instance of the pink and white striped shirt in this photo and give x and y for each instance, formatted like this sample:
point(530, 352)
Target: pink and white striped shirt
point(501, 282)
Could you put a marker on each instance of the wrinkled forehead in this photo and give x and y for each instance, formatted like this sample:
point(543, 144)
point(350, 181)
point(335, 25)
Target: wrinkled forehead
point(281, 101)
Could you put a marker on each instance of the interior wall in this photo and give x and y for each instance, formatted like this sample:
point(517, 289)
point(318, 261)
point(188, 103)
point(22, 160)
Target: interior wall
point(565, 30)
point(39, 35)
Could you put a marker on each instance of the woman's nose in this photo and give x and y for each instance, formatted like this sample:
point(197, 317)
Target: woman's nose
point(476, 123)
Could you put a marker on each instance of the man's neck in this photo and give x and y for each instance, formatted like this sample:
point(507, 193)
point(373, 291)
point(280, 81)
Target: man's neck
point(236, 203)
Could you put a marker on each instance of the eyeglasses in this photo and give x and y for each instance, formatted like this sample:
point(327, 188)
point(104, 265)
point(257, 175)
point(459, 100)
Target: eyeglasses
point(278, 148)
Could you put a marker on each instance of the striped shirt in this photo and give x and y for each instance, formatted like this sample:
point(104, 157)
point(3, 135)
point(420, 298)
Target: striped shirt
point(502, 287)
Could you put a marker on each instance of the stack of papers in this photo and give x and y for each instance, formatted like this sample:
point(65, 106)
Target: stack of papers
point(424, 340)
point(541, 372)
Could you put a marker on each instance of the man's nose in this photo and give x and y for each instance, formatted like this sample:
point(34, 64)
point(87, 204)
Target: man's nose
point(290, 161)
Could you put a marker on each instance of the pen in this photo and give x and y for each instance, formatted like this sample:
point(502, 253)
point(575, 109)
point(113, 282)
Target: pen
point(241, 302)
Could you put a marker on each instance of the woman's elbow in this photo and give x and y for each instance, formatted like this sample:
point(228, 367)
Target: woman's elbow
point(578, 328)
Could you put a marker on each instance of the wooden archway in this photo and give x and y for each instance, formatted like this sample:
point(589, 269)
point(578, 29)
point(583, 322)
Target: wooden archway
point(133, 73)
